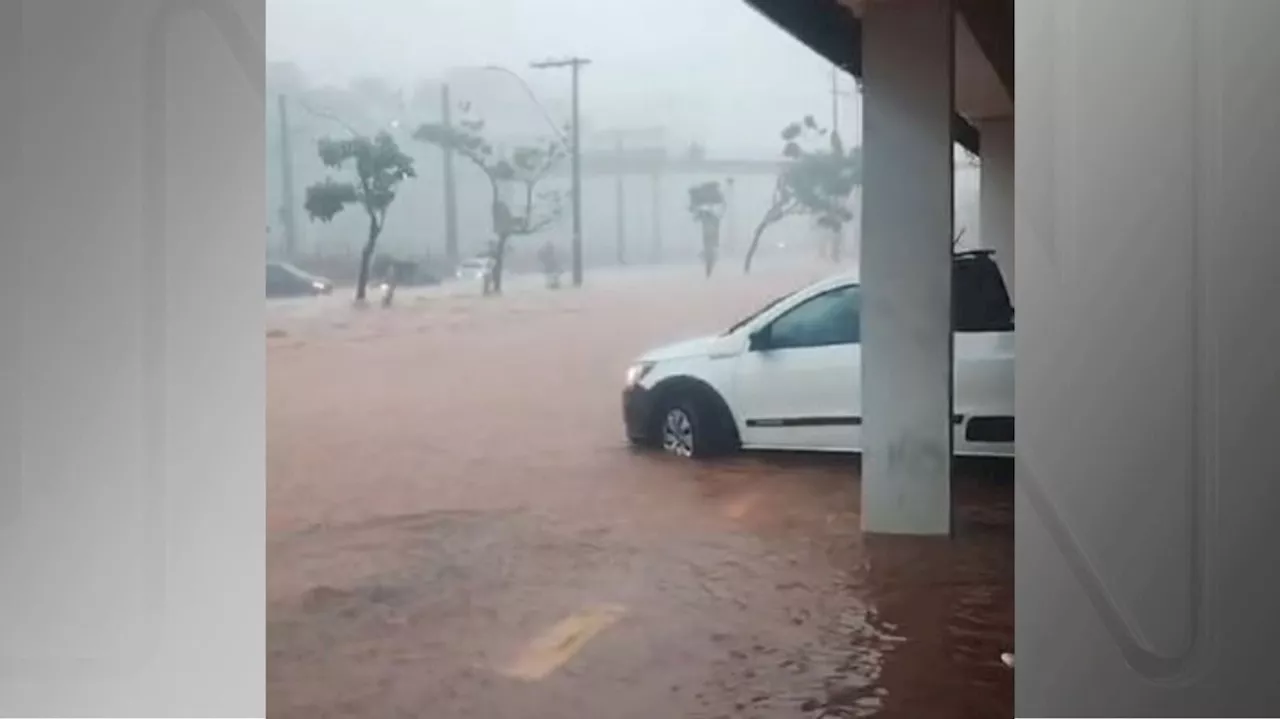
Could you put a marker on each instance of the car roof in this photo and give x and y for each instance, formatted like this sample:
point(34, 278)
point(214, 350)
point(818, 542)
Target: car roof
point(852, 277)
point(838, 280)
point(295, 270)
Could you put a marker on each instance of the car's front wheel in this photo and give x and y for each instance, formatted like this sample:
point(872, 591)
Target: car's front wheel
point(691, 429)
point(678, 434)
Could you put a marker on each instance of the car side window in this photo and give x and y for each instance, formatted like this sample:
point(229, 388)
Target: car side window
point(831, 318)
point(980, 300)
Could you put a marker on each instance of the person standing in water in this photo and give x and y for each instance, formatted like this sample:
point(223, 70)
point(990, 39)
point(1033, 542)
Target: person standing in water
point(486, 274)
point(550, 261)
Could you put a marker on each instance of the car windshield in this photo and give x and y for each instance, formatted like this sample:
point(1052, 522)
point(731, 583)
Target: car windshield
point(745, 320)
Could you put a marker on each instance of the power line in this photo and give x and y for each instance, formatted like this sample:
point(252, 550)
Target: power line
point(528, 91)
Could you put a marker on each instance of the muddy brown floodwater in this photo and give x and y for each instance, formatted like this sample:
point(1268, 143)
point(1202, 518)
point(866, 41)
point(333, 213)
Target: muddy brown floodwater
point(456, 528)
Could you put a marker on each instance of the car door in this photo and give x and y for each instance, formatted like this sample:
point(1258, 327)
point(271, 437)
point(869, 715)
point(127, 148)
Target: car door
point(798, 385)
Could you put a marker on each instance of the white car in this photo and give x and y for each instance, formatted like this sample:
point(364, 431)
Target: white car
point(474, 269)
point(788, 377)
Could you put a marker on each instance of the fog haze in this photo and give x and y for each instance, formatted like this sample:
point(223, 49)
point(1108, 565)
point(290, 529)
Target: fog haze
point(713, 70)
point(711, 73)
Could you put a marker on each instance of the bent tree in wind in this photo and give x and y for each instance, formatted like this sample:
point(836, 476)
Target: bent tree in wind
point(524, 166)
point(379, 167)
point(816, 180)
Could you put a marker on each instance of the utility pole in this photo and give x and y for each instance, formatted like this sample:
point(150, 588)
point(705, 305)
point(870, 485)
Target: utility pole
point(857, 140)
point(657, 215)
point(620, 200)
point(835, 99)
point(836, 94)
point(731, 229)
point(450, 183)
point(575, 65)
point(287, 212)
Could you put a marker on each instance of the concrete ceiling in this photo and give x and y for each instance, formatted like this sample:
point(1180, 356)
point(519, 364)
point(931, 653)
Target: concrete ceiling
point(984, 69)
point(832, 29)
point(980, 95)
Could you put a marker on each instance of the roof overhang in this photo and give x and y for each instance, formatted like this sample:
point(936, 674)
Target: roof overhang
point(984, 51)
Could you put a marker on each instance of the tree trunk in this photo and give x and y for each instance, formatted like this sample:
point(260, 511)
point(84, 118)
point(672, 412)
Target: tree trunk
point(501, 216)
point(498, 260)
point(366, 258)
point(710, 242)
point(769, 218)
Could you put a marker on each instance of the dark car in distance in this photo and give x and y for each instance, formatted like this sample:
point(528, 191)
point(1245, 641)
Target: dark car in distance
point(286, 280)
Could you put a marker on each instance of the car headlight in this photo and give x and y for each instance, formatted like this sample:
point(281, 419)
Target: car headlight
point(636, 372)
point(317, 285)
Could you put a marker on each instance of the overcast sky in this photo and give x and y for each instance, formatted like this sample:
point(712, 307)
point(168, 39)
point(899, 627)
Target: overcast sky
point(713, 70)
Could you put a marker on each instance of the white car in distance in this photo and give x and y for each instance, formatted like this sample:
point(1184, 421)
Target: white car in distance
point(788, 377)
point(474, 269)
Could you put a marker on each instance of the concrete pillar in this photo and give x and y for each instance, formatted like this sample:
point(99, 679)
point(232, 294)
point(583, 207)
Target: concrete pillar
point(907, 218)
point(996, 194)
point(12, 264)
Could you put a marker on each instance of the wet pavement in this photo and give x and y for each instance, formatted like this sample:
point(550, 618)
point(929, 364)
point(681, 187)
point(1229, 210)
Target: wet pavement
point(456, 528)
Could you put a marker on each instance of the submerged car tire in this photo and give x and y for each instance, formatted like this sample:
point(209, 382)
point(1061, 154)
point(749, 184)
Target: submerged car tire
point(692, 426)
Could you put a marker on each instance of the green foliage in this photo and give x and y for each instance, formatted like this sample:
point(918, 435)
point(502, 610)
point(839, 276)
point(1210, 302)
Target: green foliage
point(706, 201)
point(820, 184)
point(326, 199)
point(817, 179)
point(379, 166)
point(462, 139)
point(525, 166)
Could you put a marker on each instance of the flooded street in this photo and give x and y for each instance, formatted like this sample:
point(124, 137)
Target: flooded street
point(457, 528)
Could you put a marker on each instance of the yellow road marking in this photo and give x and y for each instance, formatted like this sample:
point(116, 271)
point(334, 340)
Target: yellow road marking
point(561, 642)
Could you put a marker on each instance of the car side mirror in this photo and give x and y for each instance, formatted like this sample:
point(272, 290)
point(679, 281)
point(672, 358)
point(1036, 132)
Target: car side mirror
point(760, 340)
